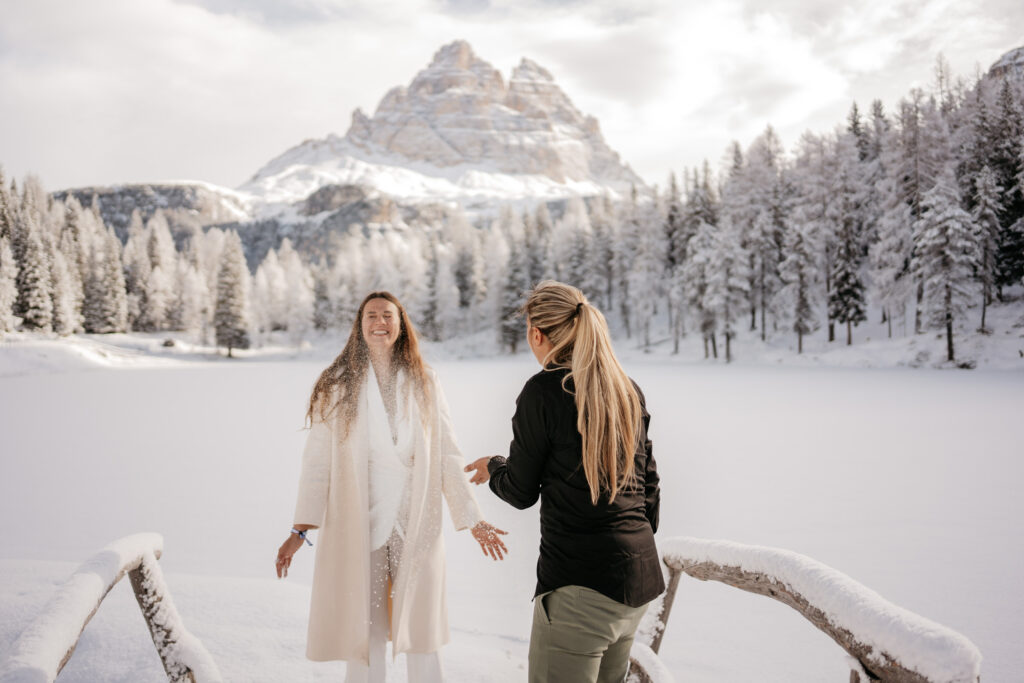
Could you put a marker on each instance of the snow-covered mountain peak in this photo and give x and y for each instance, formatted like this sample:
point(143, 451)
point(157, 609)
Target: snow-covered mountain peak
point(530, 70)
point(458, 131)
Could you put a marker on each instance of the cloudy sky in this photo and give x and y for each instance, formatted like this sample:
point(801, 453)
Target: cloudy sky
point(111, 91)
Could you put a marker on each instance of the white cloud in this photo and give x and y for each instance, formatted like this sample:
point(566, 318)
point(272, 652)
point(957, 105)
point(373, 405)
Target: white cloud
point(144, 90)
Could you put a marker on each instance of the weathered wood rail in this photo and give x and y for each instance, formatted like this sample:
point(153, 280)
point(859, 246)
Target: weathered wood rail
point(45, 646)
point(885, 643)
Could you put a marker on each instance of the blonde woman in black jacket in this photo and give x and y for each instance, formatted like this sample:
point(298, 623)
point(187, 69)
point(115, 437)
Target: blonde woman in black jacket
point(580, 445)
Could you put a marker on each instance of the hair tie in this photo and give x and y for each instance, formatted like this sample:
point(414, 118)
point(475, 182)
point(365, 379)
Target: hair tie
point(579, 307)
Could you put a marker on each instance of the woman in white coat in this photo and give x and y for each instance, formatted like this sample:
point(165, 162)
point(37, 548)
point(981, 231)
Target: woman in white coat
point(379, 456)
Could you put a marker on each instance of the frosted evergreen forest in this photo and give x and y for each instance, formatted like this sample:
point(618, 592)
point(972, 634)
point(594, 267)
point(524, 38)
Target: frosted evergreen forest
point(915, 217)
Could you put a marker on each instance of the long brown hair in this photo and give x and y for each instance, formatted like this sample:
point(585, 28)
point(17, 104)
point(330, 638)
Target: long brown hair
point(607, 403)
point(343, 378)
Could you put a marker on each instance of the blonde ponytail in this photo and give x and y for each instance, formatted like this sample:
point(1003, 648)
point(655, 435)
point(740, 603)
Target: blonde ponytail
point(607, 403)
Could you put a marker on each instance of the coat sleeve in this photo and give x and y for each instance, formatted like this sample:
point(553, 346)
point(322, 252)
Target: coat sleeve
point(516, 480)
point(314, 481)
point(652, 482)
point(458, 493)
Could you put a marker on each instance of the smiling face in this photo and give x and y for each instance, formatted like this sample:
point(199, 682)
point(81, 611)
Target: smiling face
point(381, 324)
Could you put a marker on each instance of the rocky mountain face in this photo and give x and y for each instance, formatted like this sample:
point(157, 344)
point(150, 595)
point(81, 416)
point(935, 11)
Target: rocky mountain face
point(458, 130)
point(1011, 63)
point(458, 133)
point(188, 206)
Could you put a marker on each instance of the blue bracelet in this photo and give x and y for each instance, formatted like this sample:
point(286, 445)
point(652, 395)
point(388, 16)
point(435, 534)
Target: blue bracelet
point(302, 535)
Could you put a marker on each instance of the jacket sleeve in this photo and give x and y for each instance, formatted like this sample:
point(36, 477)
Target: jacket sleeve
point(314, 481)
point(516, 480)
point(458, 493)
point(652, 487)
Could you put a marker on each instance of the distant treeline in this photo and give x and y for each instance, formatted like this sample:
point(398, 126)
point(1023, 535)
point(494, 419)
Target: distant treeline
point(919, 213)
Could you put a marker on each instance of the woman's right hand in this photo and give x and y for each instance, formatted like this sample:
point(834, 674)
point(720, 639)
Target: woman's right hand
point(285, 552)
point(479, 469)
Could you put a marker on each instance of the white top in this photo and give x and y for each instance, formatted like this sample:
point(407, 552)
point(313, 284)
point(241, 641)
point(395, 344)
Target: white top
point(390, 459)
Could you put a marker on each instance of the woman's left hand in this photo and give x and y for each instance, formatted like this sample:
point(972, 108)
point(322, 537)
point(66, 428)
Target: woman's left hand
point(487, 536)
point(479, 469)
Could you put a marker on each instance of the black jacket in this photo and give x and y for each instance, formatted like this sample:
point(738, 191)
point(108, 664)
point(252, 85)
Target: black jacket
point(607, 547)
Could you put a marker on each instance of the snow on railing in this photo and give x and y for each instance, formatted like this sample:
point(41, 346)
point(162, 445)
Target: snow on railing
point(887, 642)
point(44, 647)
point(645, 666)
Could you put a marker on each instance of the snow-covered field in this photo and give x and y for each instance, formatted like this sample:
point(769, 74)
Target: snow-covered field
point(904, 479)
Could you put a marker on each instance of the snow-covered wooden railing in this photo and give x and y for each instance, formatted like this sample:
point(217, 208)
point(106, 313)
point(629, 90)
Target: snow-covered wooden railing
point(45, 646)
point(886, 642)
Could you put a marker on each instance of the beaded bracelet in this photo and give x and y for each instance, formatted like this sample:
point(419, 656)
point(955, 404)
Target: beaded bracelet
point(302, 535)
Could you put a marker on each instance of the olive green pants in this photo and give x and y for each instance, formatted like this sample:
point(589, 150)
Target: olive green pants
point(581, 636)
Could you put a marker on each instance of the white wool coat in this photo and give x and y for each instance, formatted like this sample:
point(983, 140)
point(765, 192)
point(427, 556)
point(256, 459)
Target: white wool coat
point(333, 497)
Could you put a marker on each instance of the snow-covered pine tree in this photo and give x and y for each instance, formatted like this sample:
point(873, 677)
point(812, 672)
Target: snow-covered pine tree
point(159, 287)
point(106, 305)
point(65, 309)
point(6, 215)
point(945, 255)
point(446, 294)
point(414, 255)
point(890, 254)
point(985, 216)
point(855, 127)
point(673, 240)
point(1007, 163)
point(764, 263)
point(692, 281)
point(846, 299)
point(919, 155)
point(496, 254)
point(728, 282)
point(647, 275)
point(231, 311)
point(323, 310)
point(701, 206)
point(69, 245)
point(755, 210)
point(347, 272)
point(8, 283)
point(298, 293)
point(625, 255)
point(801, 275)
point(570, 243)
point(269, 303)
point(467, 267)
point(195, 300)
point(814, 173)
point(601, 268)
point(176, 307)
point(511, 326)
point(34, 304)
point(428, 322)
point(137, 270)
point(542, 259)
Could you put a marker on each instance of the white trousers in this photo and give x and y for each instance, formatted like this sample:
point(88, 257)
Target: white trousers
point(422, 668)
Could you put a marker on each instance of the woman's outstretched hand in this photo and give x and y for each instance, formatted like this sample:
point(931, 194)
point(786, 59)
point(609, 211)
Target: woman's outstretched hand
point(285, 552)
point(479, 469)
point(487, 536)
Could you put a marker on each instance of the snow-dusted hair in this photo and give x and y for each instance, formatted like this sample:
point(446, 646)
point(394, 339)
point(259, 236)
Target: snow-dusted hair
point(607, 402)
point(343, 378)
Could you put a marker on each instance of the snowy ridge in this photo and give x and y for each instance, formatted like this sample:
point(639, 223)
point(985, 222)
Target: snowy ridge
point(41, 647)
point(458, 132)
point(935, 651)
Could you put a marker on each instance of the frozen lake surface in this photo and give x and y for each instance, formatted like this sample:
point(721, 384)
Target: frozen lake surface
point(907, 480)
